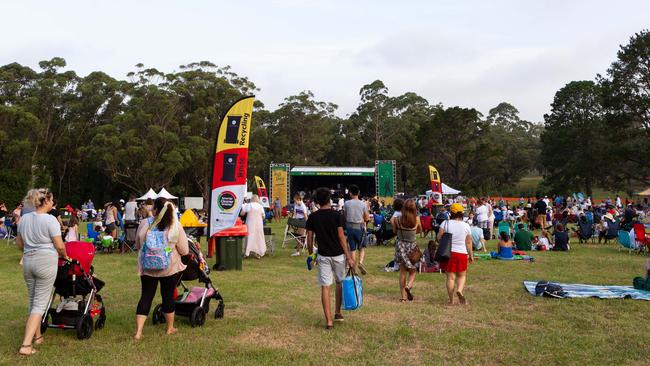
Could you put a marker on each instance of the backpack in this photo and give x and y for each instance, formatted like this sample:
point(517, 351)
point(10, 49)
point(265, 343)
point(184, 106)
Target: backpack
point(547, 289)
point(156, 254)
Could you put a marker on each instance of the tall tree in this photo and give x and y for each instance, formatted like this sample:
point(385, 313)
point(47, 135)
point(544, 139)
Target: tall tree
point(302, 130)
point(627, 101)
point(455, 141)
point(574, 142)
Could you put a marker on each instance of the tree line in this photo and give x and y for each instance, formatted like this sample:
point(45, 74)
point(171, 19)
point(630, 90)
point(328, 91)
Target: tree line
point(99, 137)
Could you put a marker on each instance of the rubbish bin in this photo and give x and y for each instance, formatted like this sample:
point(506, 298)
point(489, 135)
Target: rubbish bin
point(229, 247)
point(229, 253)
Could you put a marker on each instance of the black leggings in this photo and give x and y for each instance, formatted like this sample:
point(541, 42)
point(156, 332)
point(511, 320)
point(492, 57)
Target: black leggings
point(149, 285)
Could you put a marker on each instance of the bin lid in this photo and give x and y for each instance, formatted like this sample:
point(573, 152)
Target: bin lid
point(239, 229)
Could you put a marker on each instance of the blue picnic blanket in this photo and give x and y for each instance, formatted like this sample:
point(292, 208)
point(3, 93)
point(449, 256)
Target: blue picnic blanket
point(601, 292)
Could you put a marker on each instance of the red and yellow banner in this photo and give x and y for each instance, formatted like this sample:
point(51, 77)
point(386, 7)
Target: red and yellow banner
point(261, 192)
point(228, 181)
point(436, 184)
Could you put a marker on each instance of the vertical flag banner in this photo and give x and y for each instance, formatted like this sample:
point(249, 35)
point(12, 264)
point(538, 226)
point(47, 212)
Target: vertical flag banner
point(385, 180)
point(436, 184)
point(261, 192)
point(228, 180)
point(280, 183)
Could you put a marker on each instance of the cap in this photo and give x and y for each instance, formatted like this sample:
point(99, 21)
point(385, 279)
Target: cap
point(456, 207)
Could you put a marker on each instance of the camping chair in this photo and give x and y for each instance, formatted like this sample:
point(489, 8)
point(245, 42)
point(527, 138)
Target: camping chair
point(128, 235)
point(268, 236)
point(641, 238)
point(612, 230)
point(427, 225)
point(624, 241)
point(585, 231)
point(289, 230)
point(10, 235)
point(91, 233)
point(504, 227)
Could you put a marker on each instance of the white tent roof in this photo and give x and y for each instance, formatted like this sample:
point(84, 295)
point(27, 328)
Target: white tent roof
point(164, 194)
point(445, 190)
point(150, 194)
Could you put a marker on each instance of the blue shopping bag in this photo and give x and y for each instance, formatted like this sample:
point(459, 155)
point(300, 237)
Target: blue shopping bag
point(352, 291)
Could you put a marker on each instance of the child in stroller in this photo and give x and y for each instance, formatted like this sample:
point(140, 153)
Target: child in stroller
point(194, 303)
point(75, 279)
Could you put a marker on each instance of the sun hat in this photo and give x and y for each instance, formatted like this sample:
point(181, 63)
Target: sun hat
point(456, 207)
point(609, 216)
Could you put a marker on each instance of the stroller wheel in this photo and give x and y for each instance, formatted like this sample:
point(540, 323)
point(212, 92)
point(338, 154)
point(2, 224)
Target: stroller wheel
point(99, 324)
point(45, 321)
point(158, 316)
point(85, 327)
point(218, 314)
point(197, 318)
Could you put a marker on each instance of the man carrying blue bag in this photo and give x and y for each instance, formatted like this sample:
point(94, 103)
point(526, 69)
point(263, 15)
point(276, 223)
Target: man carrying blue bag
point(327, 224)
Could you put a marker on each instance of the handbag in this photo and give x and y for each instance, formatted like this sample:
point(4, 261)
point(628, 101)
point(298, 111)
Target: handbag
point(415, 255)
point(352, 291)
point(443, 253)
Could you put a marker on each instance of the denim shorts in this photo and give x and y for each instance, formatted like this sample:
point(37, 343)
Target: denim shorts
point(356, 236)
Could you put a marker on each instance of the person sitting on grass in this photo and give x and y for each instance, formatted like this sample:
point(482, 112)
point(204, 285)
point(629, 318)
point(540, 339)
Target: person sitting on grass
point(560, 239)
point(478, 240)
point(544, 243)
point(327, 224)
point(504, 247)
point(523, 238)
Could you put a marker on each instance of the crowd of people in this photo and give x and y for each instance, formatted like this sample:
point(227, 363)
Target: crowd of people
point(338, 232)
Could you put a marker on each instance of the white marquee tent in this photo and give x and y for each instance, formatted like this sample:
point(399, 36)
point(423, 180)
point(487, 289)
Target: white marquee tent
point(164, 194)
point(150, 194)
point(446, 190)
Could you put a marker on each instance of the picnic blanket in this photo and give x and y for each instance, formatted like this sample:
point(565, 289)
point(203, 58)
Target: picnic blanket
point(484, 256)
point(601, 292)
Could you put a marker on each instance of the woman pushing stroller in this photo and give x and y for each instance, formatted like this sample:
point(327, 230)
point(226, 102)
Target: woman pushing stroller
point(161, 231)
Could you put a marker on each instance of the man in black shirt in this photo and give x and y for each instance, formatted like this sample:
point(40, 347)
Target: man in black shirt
point(540, 206)
point(327, 224)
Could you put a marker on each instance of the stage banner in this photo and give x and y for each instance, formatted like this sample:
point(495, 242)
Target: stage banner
point(261, 192)
point(436, 184)
point(228, 180)
point(385, 180)
point(280, 184)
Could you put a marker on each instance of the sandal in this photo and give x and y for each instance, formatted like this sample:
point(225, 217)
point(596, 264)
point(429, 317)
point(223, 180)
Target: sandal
point(461, 298)
point(402, 300)
point(329, 327)
point(25, 346)
point(38, 340)
point(409, 295)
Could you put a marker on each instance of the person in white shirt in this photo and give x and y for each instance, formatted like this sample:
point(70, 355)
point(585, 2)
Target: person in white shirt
point(461, 252)
point(482, 215)
point(130, 209)
point(300, 212)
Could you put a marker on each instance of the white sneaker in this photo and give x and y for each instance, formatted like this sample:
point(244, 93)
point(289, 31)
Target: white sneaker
point(295, 254)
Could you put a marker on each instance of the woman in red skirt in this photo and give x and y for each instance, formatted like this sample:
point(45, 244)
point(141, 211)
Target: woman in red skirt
point(461, 251)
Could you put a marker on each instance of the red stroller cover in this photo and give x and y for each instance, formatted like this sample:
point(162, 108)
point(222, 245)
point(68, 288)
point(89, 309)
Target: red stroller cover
point(83, 252)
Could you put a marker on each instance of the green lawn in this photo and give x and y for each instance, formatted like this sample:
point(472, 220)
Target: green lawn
point(273, 316)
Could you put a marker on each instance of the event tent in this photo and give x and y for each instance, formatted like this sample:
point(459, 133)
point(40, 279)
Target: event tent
point(164, 194)
point(189, 219)
point(644, 193)
point(446, 190)
point(150, 194)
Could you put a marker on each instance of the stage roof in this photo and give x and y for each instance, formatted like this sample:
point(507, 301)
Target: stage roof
point(332, 171)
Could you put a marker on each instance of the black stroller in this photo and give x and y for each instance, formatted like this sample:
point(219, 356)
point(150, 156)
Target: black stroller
point(194, 303)
point(74, 278)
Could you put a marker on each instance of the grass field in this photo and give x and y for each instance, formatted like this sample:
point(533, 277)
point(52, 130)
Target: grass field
point(273, 316)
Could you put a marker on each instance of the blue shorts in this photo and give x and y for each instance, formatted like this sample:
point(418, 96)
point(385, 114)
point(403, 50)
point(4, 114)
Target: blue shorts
point(356, 236)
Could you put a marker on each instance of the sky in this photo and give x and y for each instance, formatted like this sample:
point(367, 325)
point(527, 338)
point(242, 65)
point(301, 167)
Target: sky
point(458, 53)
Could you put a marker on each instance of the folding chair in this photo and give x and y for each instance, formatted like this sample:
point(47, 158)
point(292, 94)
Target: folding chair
point(641, 238)
point(128, 235)
point(268, 236)
point(10, 235)
point(427, 225)
point(289, 230)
